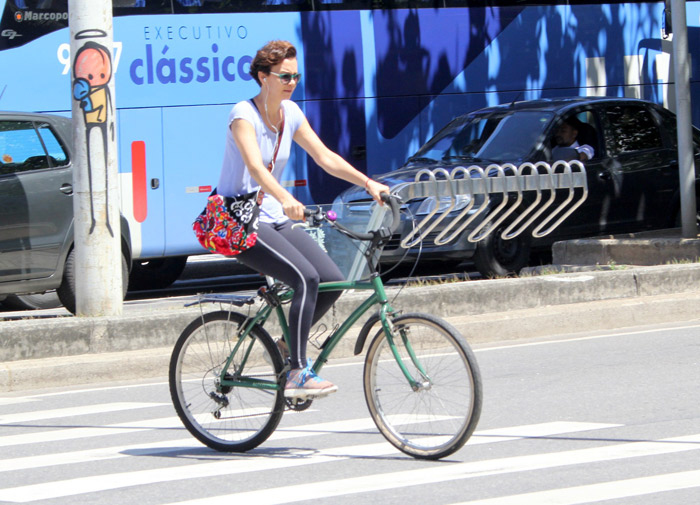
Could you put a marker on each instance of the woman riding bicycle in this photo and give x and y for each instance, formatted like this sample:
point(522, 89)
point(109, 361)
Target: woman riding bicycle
point(258, 143)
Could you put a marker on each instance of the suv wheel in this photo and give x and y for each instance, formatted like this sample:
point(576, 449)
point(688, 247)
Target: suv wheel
point(495, 257)
point(66, 292)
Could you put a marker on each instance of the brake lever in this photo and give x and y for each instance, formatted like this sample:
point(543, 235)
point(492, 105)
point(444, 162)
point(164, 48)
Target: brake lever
point(314, 218)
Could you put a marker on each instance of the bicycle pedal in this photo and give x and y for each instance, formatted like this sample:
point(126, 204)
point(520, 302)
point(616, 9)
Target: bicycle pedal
point(297, 404)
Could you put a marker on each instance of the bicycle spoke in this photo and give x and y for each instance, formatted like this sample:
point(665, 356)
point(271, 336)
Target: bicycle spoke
point(240, 413)
point(438, 417)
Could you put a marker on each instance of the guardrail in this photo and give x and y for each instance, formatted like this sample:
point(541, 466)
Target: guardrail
point(535, 185)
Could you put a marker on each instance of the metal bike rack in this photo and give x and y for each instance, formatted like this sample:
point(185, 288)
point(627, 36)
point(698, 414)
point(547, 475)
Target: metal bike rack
point(536, 185)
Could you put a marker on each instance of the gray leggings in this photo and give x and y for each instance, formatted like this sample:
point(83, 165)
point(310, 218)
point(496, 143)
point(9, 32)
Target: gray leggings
point(293, 257)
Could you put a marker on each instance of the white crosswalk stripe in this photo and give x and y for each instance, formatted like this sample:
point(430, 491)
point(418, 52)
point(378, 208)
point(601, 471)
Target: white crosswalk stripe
point(598, 492)
point(398, 480)
point(114, 481)
point(74, 411)
point(15, 401)
point(106, 448)
point(44, 437)
point(159, 448)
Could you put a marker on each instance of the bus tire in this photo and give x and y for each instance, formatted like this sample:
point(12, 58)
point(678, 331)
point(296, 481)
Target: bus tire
point(156, 273)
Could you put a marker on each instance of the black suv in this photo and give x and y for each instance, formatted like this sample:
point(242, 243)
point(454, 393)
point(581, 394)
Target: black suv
point(36, 210)
point(633, 181)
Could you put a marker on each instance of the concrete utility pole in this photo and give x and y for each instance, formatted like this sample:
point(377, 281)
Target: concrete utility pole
point(98, 264)
point(686, 162)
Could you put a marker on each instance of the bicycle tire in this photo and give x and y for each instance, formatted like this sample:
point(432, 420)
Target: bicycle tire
point(438, 418)
point(229, 419)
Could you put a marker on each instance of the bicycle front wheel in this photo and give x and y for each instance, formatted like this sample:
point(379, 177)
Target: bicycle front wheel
point(435, 413)
point(222, 416)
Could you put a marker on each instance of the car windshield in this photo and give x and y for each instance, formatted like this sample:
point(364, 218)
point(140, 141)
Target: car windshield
point(508, 136)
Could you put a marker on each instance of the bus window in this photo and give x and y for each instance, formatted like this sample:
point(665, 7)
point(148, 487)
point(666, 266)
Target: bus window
point(216, 6)
point(129, 7)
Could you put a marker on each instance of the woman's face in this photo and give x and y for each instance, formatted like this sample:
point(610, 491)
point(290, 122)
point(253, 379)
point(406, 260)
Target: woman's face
point(286, 71)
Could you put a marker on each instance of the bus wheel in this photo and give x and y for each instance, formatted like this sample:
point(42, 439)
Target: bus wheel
point(156, 273)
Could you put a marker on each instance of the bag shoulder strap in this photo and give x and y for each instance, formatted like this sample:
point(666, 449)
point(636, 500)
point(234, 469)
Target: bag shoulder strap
point(271, 165)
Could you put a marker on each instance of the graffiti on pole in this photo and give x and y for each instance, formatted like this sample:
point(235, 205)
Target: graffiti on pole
point(92, 73)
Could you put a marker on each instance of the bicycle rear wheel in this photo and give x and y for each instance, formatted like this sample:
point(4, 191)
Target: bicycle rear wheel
point(437, 416)
point(224, 417)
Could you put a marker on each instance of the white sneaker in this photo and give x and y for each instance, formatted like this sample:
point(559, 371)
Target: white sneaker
point(304, 383)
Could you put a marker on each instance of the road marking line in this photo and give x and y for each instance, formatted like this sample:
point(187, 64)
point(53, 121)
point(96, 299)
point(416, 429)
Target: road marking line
point(296, 458)
point(600, 492)
point(580, 339)
point(58, 435)
point(445, 473)
point(41, 415)
point(242, 464)
point(310, 430)
point(91, 431)
point(16, 400)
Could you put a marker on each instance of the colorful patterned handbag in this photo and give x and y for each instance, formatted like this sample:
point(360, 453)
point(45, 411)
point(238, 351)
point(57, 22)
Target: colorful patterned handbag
point(228, 225)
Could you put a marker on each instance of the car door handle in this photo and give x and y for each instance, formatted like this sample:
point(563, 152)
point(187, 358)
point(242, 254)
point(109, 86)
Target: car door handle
point(67, 189)
point(155, 183)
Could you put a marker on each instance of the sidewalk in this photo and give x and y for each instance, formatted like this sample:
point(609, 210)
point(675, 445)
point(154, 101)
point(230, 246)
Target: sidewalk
point(59, 351)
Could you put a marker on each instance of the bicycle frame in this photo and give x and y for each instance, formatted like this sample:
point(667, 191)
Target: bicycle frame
point(378, 296)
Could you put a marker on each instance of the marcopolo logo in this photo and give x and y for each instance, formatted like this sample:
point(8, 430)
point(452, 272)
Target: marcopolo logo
point(23, 16)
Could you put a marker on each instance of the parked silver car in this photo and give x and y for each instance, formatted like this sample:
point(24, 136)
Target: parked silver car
point(36, 211)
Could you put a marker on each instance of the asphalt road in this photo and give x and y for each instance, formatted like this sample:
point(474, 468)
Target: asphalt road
point(574, 419)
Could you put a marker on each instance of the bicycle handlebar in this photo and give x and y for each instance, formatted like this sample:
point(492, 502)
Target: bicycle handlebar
point(316, 216)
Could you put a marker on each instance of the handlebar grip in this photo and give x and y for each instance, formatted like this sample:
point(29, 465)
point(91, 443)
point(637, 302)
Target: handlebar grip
point(395, 205)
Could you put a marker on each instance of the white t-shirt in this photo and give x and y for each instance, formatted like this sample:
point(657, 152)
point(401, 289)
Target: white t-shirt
point(585, 149)
point(235, 179)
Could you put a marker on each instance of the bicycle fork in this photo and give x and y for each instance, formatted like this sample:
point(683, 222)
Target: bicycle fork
point(391, 331)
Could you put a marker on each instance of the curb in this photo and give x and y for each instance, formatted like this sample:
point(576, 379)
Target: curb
point(650, 248)
point(85, 350)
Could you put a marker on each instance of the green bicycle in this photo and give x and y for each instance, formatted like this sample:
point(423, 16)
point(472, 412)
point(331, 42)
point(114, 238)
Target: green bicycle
point(421, 380)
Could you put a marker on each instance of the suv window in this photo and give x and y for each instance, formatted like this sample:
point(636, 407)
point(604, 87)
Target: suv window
point(632, 129)
point(25, 146)
point(497, 137)
point(670, 127)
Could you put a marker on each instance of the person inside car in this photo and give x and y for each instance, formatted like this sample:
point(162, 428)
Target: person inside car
point(567, 146)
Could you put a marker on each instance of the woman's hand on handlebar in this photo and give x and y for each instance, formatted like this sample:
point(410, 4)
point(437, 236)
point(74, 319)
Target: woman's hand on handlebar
point(293, 209)
point(375, 189)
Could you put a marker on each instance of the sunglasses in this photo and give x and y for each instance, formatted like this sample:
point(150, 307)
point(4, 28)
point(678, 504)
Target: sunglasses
point(287, 78)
